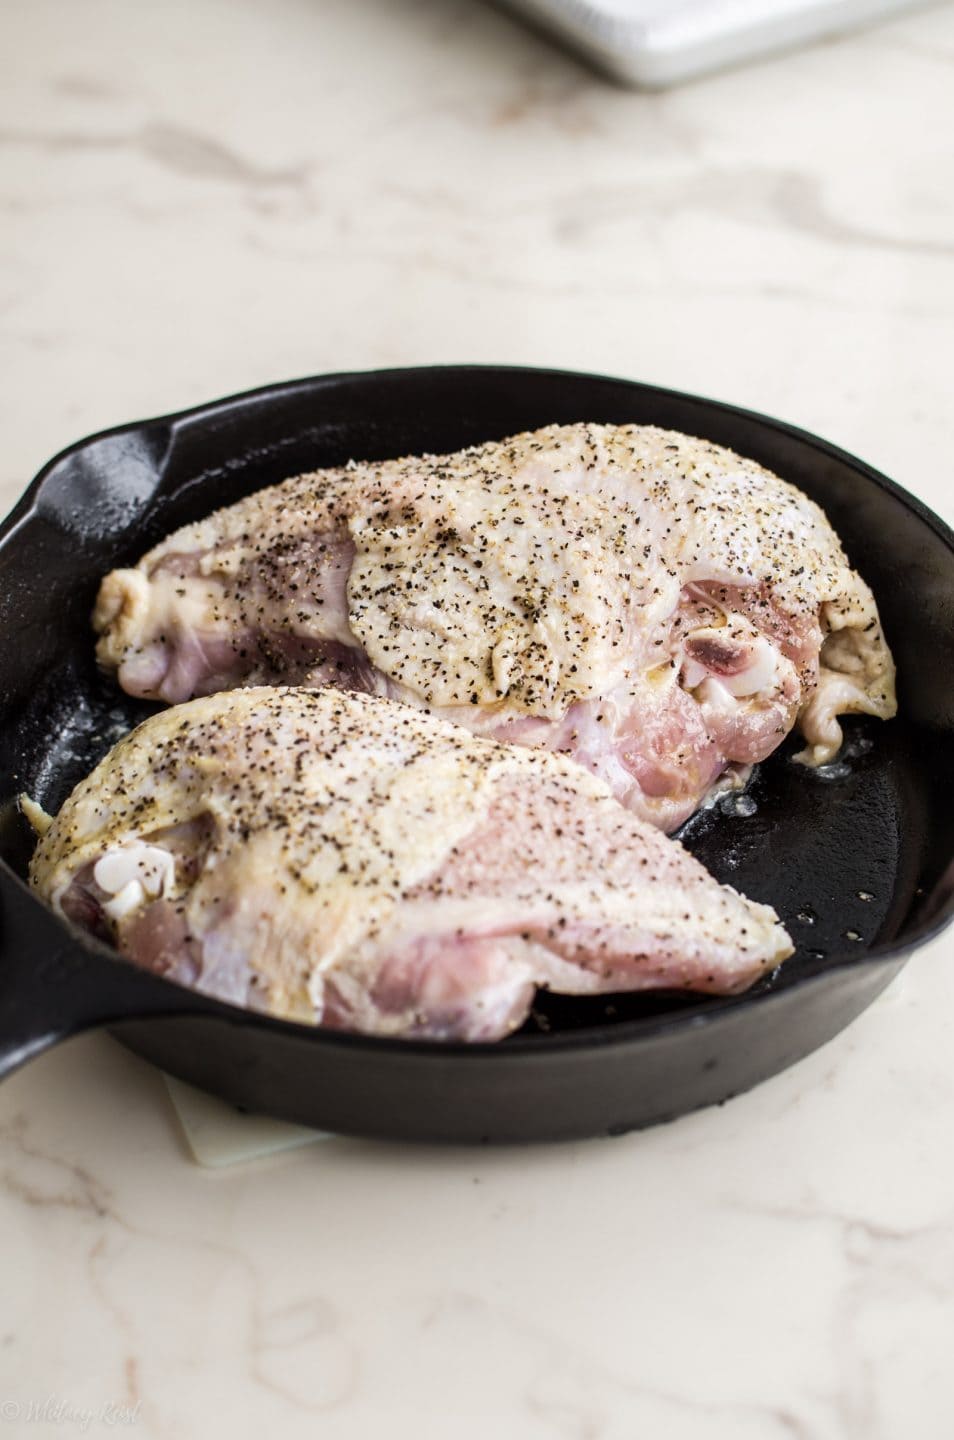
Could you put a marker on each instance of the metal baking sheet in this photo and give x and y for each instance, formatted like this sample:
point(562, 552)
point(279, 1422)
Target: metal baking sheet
point(655, 43)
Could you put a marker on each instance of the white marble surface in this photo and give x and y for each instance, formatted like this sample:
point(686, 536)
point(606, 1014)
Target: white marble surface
point(199, 197)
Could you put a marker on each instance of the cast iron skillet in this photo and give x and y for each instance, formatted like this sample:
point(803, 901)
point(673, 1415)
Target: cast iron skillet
point(857, 862)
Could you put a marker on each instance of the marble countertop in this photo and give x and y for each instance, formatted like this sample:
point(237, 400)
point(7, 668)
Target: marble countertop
point(202, 196)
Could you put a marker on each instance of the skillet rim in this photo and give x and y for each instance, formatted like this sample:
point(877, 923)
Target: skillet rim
point(23, 507)
point(689, 1016)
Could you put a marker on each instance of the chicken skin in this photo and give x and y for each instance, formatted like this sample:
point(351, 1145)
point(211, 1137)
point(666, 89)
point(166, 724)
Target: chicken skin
point(653, 605)
point(342, 860)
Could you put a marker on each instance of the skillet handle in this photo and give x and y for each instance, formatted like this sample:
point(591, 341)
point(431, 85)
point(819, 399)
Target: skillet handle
point(52, 987)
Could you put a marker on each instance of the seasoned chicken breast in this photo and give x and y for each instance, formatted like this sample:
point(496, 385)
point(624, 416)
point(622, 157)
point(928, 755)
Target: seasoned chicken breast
point(340, 859)
point(652, 604)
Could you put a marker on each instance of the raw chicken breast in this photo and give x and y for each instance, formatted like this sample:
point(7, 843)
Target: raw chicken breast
point(651, 604)
point(339, 859)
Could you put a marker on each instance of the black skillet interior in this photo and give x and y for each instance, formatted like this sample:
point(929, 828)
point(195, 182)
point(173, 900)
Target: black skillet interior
point(855, 859)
